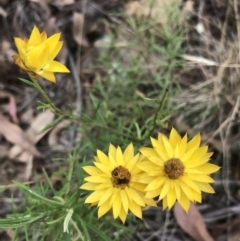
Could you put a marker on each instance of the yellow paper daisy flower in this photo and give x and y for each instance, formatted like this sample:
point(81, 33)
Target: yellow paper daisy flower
point(114, 180)
point(36, 55)
point(177, 170)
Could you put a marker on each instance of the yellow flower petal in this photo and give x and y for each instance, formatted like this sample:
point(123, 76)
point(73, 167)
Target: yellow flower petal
point(55, 52)
point(156, 183)
point(105, 185)
point(165, 189)
point(57, 67)
point(95, 179)
point(168, 148)
point(88, 186)
point(132, 164)
point(119, 157)
point(205, 187)
point(160, 149)
point(112, 151)
point(136, 198)
point(196, 156)
point(164, 203)
point(189, 182)
point(177, 190)
point(176, 152)
point(188, 155)
point(35, 38)
point(128, 154)
point(123, 215)
point(124, 199)
point(91, 170)
point(103, 209)
point(197, 197)
point(105, 169)
point(208, 168)
point(154, 193)
point(147, 152)
point(185, 189)
point(47, 75)
point(95, 196)
point(147, 167)
point(43, 36)
point(117, 206)
point(135, 209)
point(138, 186)
point(52, 43)
point(150, 202)
point(184, 202)
point(21, 45)
point(102, 158)
point(114, 195)
point(174, 138)
point(201, 178)
point(106, 196)
point(182, 146)
point(195, 142)
point(171, 197)
point(37, 57)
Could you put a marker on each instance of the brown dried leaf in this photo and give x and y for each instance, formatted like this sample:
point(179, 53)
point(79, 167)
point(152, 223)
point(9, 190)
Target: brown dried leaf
point(41, 120)
point(155, 9)
point(3, 12)
point(78, 35)
point(13, 109)
point(53, 139)
point(192, 223)
point(15, 134)
point(188, 6)
point(6, 51)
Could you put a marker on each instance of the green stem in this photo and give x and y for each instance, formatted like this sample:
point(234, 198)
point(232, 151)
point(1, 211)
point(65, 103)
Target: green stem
point(39, 88)
point(158, 110)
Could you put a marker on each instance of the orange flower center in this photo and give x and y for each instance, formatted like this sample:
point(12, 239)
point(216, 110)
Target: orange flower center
point(120, 177)
point(174, 168)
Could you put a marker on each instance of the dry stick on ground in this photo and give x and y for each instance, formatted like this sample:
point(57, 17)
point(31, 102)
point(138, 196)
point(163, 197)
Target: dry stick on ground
point(225, 24)
point(237, 21)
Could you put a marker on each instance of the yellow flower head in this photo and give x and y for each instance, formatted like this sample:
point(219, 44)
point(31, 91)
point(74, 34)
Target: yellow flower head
point(177, 170)
point(36, 55)
point(114, 180)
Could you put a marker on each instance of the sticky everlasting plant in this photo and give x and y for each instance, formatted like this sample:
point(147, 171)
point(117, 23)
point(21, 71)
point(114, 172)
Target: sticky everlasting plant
point(177, 169)
point(115, 185)
point(36, 55)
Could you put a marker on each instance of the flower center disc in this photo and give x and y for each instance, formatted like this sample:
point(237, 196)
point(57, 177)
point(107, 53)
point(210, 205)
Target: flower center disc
point(120, 177)
point(174, 168)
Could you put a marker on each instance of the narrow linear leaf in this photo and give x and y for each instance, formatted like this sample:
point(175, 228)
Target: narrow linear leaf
point(27, 82)
point(14, 222)
point(37, 196)
point(67, 220)
point(98, 232)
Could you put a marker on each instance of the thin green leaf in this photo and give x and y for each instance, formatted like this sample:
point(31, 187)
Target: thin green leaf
point(67, 220)
point(27, 82)
point(98, 232)
point(37, 196)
